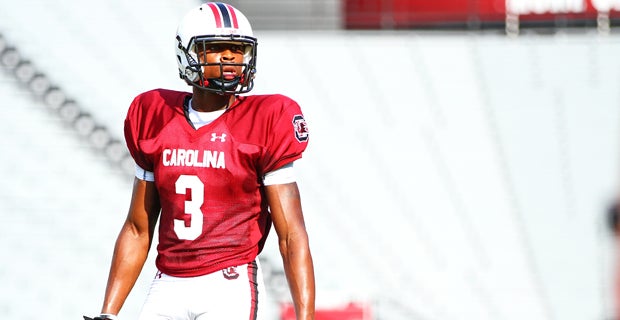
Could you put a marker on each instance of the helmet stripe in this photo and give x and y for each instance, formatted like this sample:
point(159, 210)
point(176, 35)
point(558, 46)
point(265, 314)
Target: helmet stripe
point(233, 15)
point(225, 15)
point(216, 13)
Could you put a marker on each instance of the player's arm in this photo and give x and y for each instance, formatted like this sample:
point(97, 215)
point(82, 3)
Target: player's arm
point(132, 245)
point(285, 204)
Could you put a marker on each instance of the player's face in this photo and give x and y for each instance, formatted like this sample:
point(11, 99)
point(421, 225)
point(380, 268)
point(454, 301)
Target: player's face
point(224, 53)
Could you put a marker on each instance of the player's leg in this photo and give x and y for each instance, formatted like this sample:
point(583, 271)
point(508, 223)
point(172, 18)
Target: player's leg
point(165, 299)
point(241, 294)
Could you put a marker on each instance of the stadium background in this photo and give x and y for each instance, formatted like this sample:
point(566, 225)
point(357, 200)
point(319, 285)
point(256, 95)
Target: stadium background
point(462, 158)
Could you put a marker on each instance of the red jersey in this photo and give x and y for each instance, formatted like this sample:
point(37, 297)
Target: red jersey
point(209, 180)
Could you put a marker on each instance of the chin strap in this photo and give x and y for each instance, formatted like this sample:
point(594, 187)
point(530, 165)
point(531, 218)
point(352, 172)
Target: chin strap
point(221, 84)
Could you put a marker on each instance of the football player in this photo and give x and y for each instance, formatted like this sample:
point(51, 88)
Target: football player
point(216, 169)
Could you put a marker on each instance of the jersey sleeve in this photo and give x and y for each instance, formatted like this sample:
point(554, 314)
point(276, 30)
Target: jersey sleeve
point(288, 137)
point(134, 126)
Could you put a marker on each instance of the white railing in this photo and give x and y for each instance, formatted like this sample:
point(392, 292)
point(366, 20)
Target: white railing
point(521, 7)
point(516, 8)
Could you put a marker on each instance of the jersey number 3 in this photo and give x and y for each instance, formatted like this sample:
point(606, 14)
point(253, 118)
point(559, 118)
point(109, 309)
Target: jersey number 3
point(194, 186)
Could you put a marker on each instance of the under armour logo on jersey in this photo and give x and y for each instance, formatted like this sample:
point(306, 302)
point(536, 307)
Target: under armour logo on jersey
point(301, 128)
point(230, 273)
point(214, 137)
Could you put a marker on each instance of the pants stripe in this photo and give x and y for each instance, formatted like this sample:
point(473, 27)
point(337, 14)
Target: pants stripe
point(253, 281)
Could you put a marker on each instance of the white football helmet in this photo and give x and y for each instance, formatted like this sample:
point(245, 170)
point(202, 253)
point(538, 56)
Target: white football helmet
point(215, 22)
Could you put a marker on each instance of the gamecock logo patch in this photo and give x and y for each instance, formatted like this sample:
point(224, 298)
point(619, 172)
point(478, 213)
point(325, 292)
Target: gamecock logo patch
point(301, 128)
point(230, 273)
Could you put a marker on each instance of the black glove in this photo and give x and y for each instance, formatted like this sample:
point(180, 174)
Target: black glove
point(613, 217)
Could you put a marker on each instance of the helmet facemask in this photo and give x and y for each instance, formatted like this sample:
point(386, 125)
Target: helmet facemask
point(195, 66)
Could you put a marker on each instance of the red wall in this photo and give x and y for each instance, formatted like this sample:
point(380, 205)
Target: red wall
point(351, 311)
point(373, 14)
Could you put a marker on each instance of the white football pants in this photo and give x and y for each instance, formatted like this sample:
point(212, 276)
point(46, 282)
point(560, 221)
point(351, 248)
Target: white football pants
point(234, 293)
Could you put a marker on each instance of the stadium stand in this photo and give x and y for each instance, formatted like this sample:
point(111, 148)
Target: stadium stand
point(451, 175)
point(61, 205)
